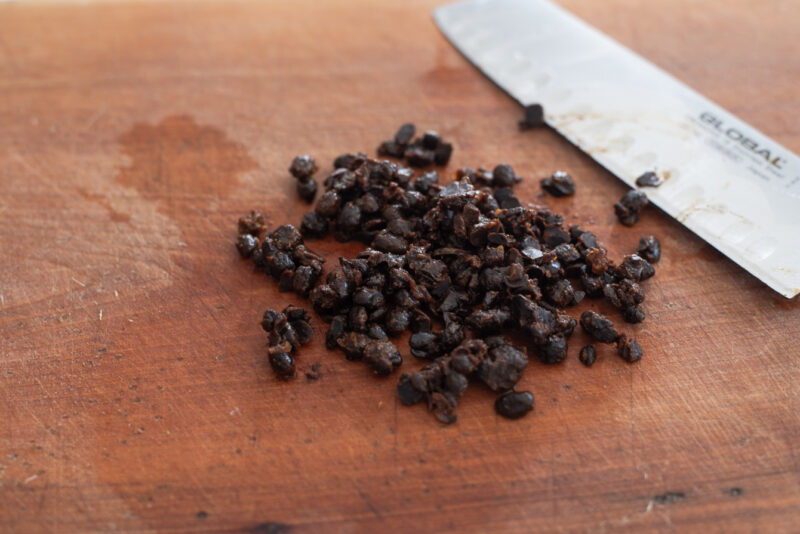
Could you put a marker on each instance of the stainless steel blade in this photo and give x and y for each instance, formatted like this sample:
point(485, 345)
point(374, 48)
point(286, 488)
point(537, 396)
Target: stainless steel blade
point(729, 183)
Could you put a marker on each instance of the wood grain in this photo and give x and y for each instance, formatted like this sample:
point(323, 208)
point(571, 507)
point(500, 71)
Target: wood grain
point(134, 393)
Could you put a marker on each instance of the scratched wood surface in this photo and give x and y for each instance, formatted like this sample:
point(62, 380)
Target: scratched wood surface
point(134, 393)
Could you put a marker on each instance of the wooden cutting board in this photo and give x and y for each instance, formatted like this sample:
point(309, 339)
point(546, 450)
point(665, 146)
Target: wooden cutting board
point(134, 388)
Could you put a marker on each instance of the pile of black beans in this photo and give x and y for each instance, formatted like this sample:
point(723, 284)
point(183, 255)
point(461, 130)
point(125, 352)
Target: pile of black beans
point(458, 265)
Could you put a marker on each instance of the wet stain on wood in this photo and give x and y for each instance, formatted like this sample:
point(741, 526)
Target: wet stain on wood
point(179, 161)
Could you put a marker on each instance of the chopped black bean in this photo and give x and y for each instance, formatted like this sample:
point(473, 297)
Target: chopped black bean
point(629, 349)
point(346, 160)
point(560, 184)
point(382, 357)
point(252, 223)
point(635, 268)
point(283, 365)
point(629, 206)
point(588, 355)
point(514, 404)
point(633, 314)
point(649, 248)
point(502, 367)
point(246, 244)
point(649, 179)
point(599, 327)
point(504, 176)
point(441, 156)
point(418, 156)
point(307, 189)
point(534, 117)
point(313, 225)
point(286, 237)
point(405, 134)
point(303, 167)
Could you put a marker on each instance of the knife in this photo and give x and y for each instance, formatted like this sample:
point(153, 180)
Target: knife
point(726, 181)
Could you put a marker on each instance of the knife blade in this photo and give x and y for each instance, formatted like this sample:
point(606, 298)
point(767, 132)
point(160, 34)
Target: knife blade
point(729, 183)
